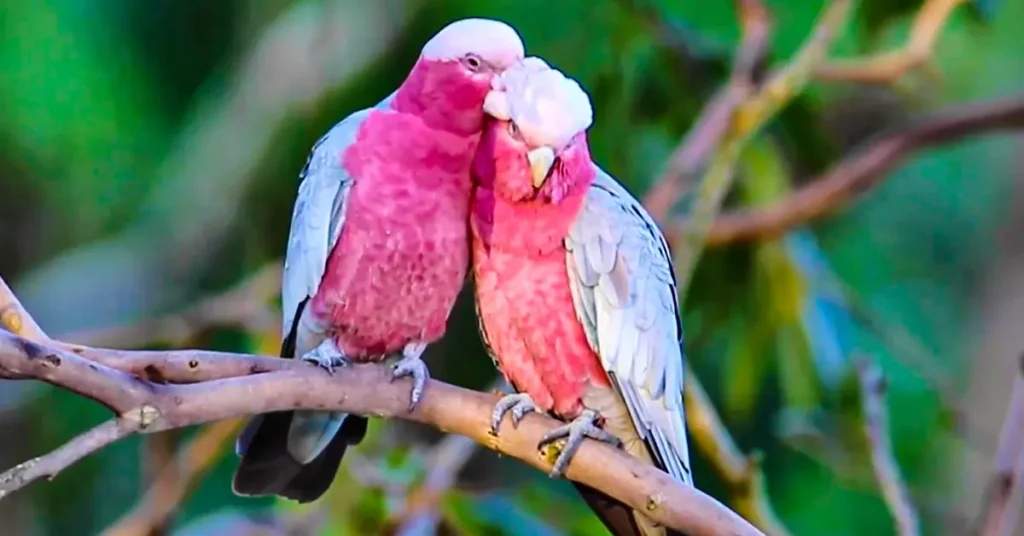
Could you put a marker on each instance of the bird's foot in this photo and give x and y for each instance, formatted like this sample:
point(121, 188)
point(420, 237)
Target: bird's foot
point(518, 403)
point(581, 427)
point(327, 356)
point(412, 364)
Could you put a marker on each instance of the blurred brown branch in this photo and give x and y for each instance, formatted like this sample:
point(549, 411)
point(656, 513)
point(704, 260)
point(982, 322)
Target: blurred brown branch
point(876, 431)
point(247, 304)
point(176, 481)
point(255, 384)
point(863, 170)
point(742, 474)
point(997, 516)
point(421, 513)
point(889, 67)
point(722, 130)
point(745, 121)
point(691, 155)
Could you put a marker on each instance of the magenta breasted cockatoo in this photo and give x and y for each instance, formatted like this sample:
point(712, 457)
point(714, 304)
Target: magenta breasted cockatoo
point(574, 286)
point(379, 247)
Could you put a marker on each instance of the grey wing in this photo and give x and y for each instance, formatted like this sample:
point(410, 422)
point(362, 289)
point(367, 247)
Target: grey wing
point(624, 290)
point(318, 216)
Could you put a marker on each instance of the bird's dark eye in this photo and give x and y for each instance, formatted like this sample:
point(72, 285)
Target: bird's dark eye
point(513, 130)
point(472, 62)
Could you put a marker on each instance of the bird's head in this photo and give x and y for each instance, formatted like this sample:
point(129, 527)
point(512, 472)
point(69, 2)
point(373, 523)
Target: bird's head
point(455, 70)
point(535, 147)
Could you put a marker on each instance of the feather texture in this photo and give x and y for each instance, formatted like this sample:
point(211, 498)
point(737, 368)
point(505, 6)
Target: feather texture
point(636, 331)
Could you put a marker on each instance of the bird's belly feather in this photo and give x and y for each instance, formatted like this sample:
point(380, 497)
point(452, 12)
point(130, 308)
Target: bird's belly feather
point(392, 279)
point(528, 314)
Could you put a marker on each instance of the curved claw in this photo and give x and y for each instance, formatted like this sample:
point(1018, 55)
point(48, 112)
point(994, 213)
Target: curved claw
point(326, 356)
point(576, 431)
point(412, 364)
point(518, 403)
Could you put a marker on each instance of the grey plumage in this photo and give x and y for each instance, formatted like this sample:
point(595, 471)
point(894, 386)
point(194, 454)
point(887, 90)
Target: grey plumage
point(624, 291)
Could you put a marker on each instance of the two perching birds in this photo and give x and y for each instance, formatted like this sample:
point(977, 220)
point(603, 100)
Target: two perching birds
point(479, 150)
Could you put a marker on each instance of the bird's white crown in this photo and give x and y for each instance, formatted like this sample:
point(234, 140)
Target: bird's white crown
point(548, 107)
point(494, 41)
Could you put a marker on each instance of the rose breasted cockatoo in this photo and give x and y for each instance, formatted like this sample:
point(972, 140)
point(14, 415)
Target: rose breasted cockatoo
point(574, 286)
point(379, 247)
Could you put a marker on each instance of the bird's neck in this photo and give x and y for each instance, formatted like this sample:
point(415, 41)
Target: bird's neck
point(532, 228)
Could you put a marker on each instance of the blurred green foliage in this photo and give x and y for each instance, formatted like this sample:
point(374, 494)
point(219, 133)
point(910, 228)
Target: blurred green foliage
point(148, 157)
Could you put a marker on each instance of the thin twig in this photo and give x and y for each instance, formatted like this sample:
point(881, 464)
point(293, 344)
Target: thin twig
point(156, 456)
point(245, 304)
point(742, 474)
point(782, 86)
point(52, 464)
point(359, 389)
point(876, 431)
point(177, 480)
point(994, 520)
point(888, 67)
point(863, 170)
point(691, 155)
point(421, 515)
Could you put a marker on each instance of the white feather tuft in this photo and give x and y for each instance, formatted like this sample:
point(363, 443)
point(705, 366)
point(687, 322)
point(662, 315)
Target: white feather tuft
point(548, 107)
point(494, 41)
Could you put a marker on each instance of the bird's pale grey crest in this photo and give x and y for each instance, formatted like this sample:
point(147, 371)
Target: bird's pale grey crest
point(494, 41)
point(548, 107)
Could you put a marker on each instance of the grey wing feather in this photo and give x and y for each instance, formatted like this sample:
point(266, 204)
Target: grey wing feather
point(319, 214)
point(635, 328)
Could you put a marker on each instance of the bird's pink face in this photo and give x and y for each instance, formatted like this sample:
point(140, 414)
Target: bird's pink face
point(517, 170)
point(461, 85)
point(449, 83)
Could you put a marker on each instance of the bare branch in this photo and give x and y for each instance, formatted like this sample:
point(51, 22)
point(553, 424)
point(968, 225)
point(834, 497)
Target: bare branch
point(360, 389)
point(889, 67)
point(750, 115)
point(14, 317)
point(996, 517)
point(876, 431)
point(176, 481)
point(863, 170)
point(691, 155)
point(50, 465)
point(246, 304)
point(742, 474)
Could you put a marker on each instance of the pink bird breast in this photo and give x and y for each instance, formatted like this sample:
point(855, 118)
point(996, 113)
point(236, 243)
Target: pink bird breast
point(525, 302)
point(403, 252)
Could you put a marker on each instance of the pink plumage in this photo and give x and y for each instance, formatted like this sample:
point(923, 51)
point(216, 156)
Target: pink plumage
point(523, 292)
point(574, 286)
point(378, 248)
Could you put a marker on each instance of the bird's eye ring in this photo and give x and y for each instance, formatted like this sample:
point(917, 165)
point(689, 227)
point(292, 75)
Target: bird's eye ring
point(473, 62)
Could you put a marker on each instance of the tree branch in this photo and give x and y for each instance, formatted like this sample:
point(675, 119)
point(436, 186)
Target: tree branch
point(876, 431)
point(889, 67)
point(862, 170)
point(995, 518)
point(246, 304)
point(175, 481)
point(361, 389)
point(742, 474)
point(691, 155)
point(750, 115)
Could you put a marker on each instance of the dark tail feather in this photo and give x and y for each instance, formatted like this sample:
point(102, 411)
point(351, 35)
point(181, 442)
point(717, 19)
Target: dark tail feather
point(616, 516)
point(266, 468)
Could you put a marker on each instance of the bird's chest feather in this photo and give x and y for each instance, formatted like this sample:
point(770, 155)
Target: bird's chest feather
point(403, 252)
point(527, 310)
